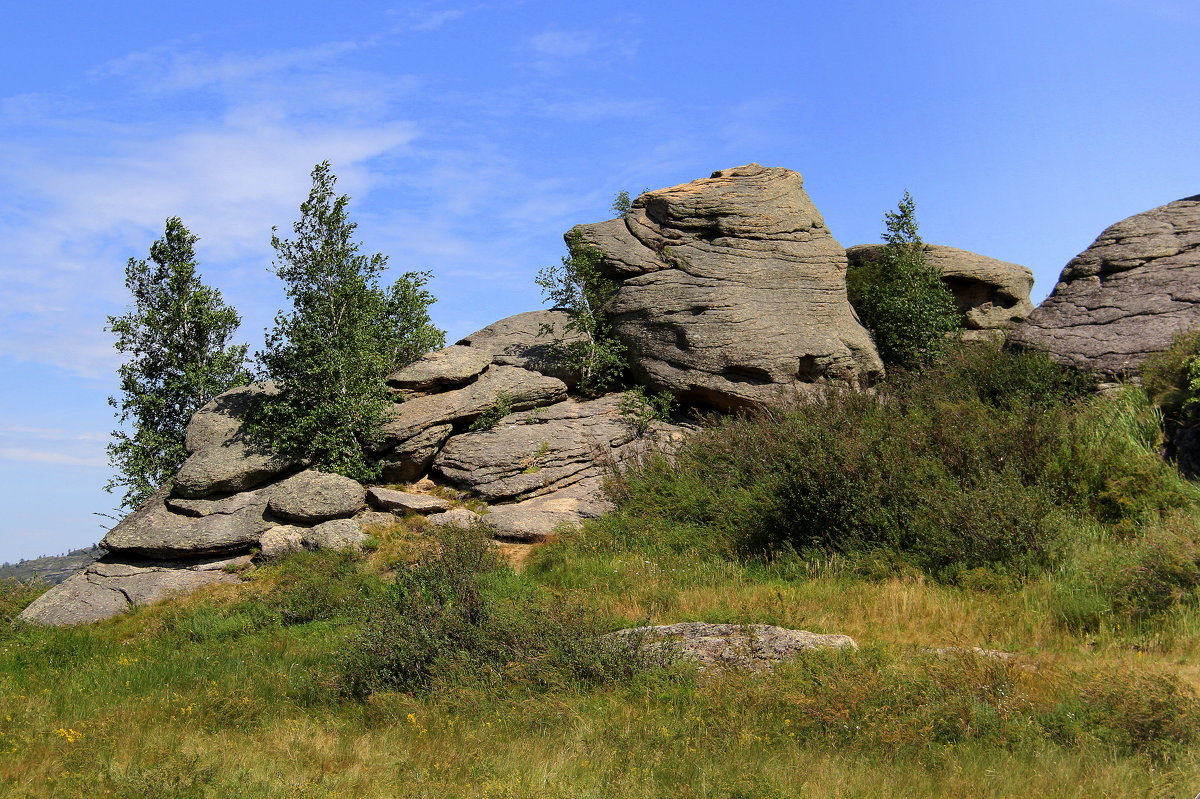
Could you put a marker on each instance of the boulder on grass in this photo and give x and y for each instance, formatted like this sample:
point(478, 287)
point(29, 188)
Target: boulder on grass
point(110, 587)
point(753, 647)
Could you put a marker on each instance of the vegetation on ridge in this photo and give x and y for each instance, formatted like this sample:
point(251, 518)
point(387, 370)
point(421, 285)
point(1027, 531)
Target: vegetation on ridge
point(394, 672)
point(330, 354)
point(901, 299)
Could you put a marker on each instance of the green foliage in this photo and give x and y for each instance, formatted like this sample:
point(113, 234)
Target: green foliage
point(622, 203)
point(901, 299)
point(15, 596)
point(463, 615)
point(940, 469)
point(330, 354)
point(1147, 572)
point(1172, 377)
point(176, 340)
point(578, 287)
point(492, 416)
point(641, 410)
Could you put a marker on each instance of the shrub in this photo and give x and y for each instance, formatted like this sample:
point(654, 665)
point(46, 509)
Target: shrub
point(320, 586)
point(641, 411)
point(1133, 579)
point(1172, 377)
point(462, 614)
point(943, 467)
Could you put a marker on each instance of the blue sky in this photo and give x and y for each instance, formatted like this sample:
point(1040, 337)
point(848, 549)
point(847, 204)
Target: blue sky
point(472, 135)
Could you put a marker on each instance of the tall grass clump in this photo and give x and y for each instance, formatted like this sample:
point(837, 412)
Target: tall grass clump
point(987, 459)
point(462, 614)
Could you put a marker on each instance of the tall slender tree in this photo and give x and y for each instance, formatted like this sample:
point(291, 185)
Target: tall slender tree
point(344, 334)
point(176, 339)
point(901, 298)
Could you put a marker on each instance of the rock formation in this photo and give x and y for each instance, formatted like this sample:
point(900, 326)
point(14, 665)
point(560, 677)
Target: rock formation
point(542, 466)
point(992, 295)
point(732, 292)
point(1125, 296)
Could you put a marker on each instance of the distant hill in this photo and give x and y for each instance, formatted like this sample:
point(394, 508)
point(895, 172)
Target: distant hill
point(51, 568)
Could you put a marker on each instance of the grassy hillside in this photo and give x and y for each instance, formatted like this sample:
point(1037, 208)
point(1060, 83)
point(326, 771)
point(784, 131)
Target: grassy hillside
point(990, 503)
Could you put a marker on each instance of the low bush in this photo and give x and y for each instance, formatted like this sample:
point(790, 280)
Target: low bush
point(1144, 573)
point(462, 614)
point(984, 460)
point(320, 586)
point(1172, 377)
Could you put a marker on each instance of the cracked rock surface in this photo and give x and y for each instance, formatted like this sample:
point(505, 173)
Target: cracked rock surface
point(732, 292)
point(1125, 296)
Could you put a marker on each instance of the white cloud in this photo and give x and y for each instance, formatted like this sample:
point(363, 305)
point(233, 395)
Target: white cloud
point(77, 206)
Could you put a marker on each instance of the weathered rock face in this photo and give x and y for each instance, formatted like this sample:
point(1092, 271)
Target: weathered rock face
point(527, 455)
point(1124, 297)
point(223, 460)
point(107, 588)
point(731, 291)
point(991, 295)
point(522, 388)
point(525, 340)
point(204, 528)
point(723, 646)
point(401, 501)
point(442, 369)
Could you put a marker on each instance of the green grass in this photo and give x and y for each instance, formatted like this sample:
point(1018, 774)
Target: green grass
point(402, 673)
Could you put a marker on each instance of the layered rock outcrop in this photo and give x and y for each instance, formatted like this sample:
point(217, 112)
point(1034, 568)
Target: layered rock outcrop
point(991, 295)
point(1125, 296)
point(731, 291)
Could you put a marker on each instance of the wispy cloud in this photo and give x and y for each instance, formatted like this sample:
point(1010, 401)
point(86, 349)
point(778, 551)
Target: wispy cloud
point(167, 69)
point(76, 207)
point(559, 44)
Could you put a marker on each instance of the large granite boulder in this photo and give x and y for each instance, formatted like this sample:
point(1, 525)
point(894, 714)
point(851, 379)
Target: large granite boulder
point(223, 460)
point(526, 340)
point(992, 295)
point(109, 587)
point(732, 292)
point(169, 528)
point(1125, 296)
point(313, 497)
point(528, 455)
point(409, 459)
point(440, 370)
